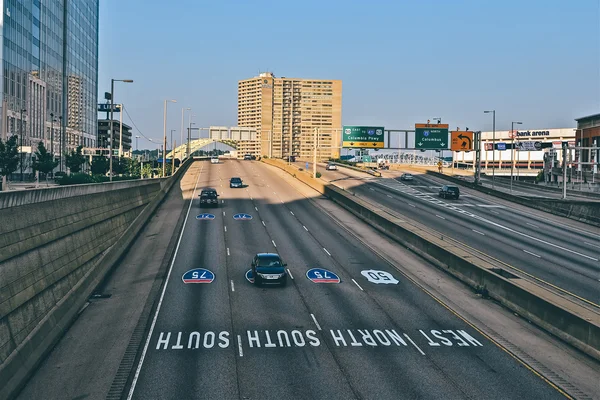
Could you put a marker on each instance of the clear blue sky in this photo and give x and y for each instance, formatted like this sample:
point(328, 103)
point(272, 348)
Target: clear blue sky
point(401, 61)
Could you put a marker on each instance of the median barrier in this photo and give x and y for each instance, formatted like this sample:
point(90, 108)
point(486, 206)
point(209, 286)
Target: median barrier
point(56, 246)
point(578, 210)
point(569, 321)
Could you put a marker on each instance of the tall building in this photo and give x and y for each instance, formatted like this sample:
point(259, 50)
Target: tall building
point(49, 56)
point(289, 114)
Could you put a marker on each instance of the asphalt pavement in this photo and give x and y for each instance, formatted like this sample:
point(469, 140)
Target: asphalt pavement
point(373, 335)
point(533, 242)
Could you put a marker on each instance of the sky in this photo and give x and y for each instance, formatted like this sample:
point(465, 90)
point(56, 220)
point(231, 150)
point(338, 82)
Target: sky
point(401, 62)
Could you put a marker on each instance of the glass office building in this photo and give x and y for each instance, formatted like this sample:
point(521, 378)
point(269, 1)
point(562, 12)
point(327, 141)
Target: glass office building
point(49, 82)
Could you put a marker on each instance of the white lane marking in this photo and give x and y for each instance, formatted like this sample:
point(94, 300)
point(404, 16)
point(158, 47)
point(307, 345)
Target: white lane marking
point(535, 226)
point(533, 254)
point(223, 213)
point(228, 252)
point(281, 201)
point(372, 189)
point(273, 243)
point(263, 222)
point(391, 197)
point(476, 231)
point(495, 212)
point(595, 245)
point(291, 213)
point(533, 238)
point(305, 228)
point(328, 253)
point(356, 283)
point(222, 201)
point(316, 322)
point(439, 216)
point(256, 208)
point(274, 193)
point(232, 287)
point(251, 198)
point(225, 227)
point(162, 296)
point(414, 344)
point(290, 273)
point(240, 346)
point(412, 205)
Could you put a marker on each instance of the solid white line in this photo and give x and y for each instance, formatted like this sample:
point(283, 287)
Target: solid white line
point(391, 197)
point(414, 344)
point(290, 273)
point(535, 226)
point(291, 213)
point(439, 216)
point(232, 287)
point(316, 323)
point(412, 205)
point(305, 228)
point(356, 283)
point(256, 208)
point(225, 227)
point(240, 346)
point(274, 243)
point(162, 295)
point(328, 253)
point(228, 252)
point(533, 254)
point(263, 222)
point(592, 244)
point(481, 233)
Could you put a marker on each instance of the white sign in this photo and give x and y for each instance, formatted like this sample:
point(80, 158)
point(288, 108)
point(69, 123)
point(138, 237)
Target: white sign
point(528, 146)
point(378, 277)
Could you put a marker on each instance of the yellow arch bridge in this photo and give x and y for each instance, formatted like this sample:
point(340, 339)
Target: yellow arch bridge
point(196, 145)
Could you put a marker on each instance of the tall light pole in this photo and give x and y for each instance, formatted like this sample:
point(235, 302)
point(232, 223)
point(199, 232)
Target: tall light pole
point(120, 130)
point(110, 145)
point(182, 116)
point(21, 134)
point(60, 142)
point(315, 143)
point(52, 136)
point(188, 154)
point(512, 151)
point(136, 142)
point(164, 164)
point(493, 147)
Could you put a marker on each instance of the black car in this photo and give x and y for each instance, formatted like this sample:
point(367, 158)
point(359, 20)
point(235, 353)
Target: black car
point(268, 268)
point(209, 197)
point(452, 192)
point(236, 182)
point(248, 157)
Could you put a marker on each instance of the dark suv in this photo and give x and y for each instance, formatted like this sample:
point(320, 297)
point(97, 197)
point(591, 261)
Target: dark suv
point(248, 157)
point(268, 268)
point(209, 197)
point(452, 192)
point(236, 182)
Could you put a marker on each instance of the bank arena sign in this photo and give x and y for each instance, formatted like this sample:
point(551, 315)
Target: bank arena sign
point(532, 133)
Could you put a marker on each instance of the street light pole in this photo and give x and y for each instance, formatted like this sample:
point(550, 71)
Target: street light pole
point(120, 130)
point(52, 136)
point(110, 145)
point(512, 151)
point(136, 142)
point(164, 159)
point(21, 129)
point(182, 116)
point(315, 153)
point(493, 148)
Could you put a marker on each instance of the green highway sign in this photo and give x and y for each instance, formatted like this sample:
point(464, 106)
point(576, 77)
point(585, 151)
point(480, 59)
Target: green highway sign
point(366, 137)
point(431, 137)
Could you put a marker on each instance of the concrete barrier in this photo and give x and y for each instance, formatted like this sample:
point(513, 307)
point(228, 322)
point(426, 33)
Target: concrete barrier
point(571, 322)
point(56, 247)
point(579, 210)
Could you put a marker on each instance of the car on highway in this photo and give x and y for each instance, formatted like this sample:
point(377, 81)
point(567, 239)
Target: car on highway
point(236, 182)
point(248, 157)
point(269, 268)
point(406, 177)
point(331, 167)
point(447, 191)
point(214, 160)
point(209, 197)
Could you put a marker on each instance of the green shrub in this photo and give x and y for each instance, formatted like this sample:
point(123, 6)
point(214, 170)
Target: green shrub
point(75, 179)
point(318, 174)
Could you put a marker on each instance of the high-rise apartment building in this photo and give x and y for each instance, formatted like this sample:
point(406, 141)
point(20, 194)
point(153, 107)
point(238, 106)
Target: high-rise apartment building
point(289, 114)
point(49, 57)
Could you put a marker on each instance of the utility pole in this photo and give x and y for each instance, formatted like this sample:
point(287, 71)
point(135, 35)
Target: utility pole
point(52, 137)
point(315, 143)
point(120, 130)
point(564, 170)
point(21, 134)
point(477, 157)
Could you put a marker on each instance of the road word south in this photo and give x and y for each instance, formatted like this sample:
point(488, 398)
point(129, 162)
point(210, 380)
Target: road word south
point(310, 338)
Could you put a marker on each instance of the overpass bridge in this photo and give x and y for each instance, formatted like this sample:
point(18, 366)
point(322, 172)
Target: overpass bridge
point(198, 144)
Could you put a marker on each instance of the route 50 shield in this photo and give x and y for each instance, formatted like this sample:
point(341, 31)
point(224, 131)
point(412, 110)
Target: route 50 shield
point(321, 275)
point(198, 275)
point(375, 276)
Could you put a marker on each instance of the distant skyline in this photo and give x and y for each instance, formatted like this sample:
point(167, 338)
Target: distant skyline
point(401, 62)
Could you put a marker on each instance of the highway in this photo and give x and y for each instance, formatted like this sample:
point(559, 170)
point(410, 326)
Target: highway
point(361, 338)
point(561, 255)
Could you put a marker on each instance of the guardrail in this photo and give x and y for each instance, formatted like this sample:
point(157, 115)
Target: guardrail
point(569, 321)
point(366, 170)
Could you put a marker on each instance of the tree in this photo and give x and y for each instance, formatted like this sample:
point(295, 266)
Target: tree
point(75, 159)
point(133, 166)
point(9, 157)
point(146, 170)
point(44, 161)
point(120, 166)
point(100, 165)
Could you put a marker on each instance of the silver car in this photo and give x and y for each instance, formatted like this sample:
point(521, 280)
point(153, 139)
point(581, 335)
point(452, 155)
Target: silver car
point(406, 177)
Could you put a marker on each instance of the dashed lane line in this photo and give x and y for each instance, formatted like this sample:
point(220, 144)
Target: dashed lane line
point(476, 231)
point(305, 228)
point(316, 322)
point(414, 344)
point(533, 254)
point(272, 241)
point(328, 253)
point(232, 286)
point(356, 283)
point(290, 273)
